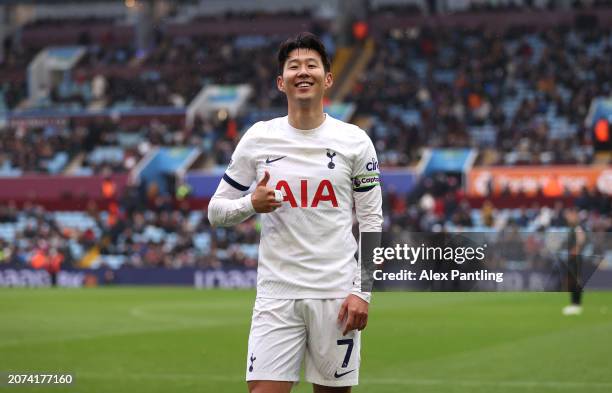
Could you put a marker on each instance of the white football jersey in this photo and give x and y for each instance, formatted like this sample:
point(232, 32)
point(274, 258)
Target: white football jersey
point(307, 247)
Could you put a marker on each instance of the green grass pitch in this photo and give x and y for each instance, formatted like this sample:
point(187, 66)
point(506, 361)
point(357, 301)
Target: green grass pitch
point(129, 340)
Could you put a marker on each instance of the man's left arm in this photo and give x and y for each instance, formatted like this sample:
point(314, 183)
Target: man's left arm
point(368, 207)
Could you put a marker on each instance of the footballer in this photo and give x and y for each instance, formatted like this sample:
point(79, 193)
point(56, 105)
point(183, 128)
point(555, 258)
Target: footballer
point(310, 171)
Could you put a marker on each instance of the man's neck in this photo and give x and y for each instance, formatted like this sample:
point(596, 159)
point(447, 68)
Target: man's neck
point(306, 118)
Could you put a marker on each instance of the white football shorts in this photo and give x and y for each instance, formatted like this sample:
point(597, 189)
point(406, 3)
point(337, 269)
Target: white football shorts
point(286, 331)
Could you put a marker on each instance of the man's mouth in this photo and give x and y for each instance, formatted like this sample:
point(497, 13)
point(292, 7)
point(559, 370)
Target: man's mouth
point(303, 84)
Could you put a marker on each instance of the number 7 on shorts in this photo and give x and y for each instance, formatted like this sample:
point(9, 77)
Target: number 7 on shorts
point(349, 349)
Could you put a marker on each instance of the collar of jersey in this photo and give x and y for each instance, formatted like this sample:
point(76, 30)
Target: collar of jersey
point(307, 131)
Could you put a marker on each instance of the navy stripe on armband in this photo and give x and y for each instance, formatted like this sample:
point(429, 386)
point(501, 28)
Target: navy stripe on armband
point(364, 189)
point(234, 183)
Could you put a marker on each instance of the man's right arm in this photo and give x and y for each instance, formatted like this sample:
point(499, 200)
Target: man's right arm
point(228, 207)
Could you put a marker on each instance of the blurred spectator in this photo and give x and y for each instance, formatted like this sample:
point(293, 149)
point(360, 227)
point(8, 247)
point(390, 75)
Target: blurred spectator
point(522, 95)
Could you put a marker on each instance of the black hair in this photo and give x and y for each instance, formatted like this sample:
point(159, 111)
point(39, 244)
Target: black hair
point(304, 40)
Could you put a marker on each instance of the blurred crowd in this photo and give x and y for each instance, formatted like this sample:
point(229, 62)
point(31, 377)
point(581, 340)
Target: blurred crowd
point(483, 6)
point(156, 234)
point(169, 76)
point(438, 203)
point(521, 97)
point(51, 148)
point(115, 74)
point(163, 232)
point(106, 146)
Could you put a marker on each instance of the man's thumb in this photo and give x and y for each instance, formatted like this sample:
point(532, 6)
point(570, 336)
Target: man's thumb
point(264, 180)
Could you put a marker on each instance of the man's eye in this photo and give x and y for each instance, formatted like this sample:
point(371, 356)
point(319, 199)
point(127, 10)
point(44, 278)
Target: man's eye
point(293, 68)
point(312, 66)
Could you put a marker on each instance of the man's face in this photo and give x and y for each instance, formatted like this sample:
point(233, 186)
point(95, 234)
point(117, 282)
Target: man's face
point(304, 77)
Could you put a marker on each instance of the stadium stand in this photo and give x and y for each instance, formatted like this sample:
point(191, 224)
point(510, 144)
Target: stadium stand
point(519, 96)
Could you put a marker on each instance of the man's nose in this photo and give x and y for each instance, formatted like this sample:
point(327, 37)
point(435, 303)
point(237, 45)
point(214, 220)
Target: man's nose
point(303, 70)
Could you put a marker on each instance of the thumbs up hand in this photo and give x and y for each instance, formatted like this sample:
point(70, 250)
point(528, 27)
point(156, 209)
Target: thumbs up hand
point(263, 198)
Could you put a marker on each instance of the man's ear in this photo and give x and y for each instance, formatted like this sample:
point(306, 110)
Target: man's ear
point(280, 84)
point(329, 80)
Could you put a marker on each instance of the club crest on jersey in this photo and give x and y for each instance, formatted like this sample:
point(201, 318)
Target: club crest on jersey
point(331, 154)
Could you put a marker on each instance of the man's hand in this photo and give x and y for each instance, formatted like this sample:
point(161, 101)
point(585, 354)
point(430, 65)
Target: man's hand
point(263, 197)
point(355, 311)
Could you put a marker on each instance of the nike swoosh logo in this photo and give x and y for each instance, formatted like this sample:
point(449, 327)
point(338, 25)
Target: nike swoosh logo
point(268, 160)
point(336, 375)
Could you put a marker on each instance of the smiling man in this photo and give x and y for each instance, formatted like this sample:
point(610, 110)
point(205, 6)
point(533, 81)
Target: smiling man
point(312, 170)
